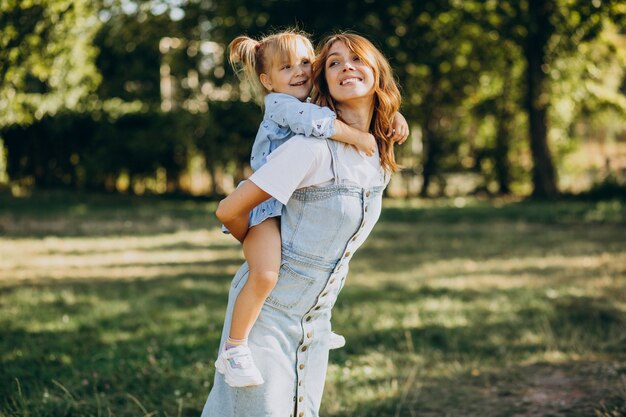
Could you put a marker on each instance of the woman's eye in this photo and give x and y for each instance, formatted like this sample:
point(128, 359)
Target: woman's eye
point(356, 58)
point(332, 63)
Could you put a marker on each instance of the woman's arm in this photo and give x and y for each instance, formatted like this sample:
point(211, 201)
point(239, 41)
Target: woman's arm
point(288, 168)
point(234, 210)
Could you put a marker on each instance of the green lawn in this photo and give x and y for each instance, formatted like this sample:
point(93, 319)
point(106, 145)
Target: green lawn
point(112, 306)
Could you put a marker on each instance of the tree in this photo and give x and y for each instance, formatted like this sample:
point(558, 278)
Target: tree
point(46, 58)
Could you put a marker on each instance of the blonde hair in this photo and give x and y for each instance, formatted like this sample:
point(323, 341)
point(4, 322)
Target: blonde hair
point(386, 94)
point(250, 58)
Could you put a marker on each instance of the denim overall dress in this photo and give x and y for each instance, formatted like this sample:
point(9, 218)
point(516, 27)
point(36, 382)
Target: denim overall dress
point(321, 228)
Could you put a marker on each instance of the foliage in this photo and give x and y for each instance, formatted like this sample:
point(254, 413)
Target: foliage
point(91, 150)
point(463, 68)
point(46, 58)
point(129, 58)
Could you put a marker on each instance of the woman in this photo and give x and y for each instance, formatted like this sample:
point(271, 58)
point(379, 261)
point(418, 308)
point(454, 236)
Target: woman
point(332, 196)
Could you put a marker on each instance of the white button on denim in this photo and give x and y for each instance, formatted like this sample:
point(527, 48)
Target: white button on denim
point(289, 340)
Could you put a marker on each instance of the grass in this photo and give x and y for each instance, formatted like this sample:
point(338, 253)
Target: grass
point(112, 306)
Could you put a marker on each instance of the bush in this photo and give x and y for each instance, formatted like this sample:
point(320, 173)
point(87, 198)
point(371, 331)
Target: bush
point(92, 150)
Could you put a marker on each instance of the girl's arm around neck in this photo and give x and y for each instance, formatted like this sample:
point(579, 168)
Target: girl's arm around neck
point(301, 118)
point(364, 141)
point(234, 210)
point(309, 119)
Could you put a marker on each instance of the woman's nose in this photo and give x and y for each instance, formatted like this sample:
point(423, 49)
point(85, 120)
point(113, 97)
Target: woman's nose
point(348, 66)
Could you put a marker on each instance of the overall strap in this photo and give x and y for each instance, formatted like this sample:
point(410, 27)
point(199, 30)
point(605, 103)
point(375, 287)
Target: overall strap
point(332, 146)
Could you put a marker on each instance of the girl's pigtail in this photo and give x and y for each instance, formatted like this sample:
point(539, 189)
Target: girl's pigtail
point(243, 58)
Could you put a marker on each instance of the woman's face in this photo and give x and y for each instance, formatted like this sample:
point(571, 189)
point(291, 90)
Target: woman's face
point(347, 76)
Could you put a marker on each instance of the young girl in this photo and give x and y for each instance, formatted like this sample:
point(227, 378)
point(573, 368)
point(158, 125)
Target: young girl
point(279, 67)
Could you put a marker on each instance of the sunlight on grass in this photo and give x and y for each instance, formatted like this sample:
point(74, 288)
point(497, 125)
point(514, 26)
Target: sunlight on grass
point(121, 257)
point(444, 309)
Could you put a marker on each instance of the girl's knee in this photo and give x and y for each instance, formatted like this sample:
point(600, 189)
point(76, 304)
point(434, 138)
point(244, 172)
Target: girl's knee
point(263, 281)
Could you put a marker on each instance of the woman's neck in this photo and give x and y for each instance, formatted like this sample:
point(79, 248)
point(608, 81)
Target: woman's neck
point(358, 115)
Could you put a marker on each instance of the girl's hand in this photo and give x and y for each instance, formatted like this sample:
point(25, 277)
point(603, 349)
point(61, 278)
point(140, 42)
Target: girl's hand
point(367, 144)
point(399, 131)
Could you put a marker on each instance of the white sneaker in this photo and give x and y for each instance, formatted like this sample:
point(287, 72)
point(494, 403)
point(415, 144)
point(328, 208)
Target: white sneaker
point(336, 341)
point(238, 368)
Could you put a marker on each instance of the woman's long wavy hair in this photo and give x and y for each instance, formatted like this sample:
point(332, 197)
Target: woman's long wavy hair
point(386, 94)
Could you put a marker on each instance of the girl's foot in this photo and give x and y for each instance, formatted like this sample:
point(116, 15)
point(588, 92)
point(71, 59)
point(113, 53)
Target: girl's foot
point(238, 368)
point(336, 341)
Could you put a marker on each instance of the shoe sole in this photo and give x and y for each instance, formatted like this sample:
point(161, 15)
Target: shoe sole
point(337, 346)
point(223, 369)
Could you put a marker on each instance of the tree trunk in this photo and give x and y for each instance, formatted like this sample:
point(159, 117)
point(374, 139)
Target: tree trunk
point(431, 143)
point(503, 134)
point(539, 31)
point(431, 153)
point(212, 171)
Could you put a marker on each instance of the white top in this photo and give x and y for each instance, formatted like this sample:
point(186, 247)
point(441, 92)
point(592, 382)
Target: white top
point(305, 162)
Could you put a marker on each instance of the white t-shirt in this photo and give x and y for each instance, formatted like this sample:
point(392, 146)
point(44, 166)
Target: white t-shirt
point(303, 162)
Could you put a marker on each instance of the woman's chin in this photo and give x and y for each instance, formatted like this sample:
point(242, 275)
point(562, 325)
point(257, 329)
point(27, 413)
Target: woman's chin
point(353, 95)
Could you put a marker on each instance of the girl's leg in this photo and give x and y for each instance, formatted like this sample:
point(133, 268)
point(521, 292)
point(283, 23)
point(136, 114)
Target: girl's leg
point(262, 249)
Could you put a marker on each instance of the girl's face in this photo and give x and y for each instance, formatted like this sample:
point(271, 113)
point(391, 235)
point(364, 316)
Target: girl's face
point(347, 76)
point(293, 76)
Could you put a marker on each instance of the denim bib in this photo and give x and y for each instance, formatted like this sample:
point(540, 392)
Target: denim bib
point(321, 228)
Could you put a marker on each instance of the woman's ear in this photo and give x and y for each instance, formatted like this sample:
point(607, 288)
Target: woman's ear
point(266, 81)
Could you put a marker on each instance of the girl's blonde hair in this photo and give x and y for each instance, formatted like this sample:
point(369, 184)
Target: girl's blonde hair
point(386, 94)
point(250, 58)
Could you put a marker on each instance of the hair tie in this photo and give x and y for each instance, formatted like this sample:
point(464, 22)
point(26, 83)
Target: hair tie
point(257, 46)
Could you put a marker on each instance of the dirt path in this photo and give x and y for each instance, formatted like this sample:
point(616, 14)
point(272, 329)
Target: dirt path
point(596, 389)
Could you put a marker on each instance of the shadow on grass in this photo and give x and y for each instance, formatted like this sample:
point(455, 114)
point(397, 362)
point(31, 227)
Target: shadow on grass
point(75, 214)
point(148, 338)
point(500, 385)
point(423, 243)
point(566, 389)
point(156, 338)
point(165, 337)
point(584, 322)
point(544, 212)
point(56, 284)
point(181, 246)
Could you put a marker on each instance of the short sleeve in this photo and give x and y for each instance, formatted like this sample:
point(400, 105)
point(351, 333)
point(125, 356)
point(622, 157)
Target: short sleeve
point(287, 168)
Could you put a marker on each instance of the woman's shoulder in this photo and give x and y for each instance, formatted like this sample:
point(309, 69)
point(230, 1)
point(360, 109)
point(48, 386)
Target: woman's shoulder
point(314, 144)
point(310, 141)
point(301, 145)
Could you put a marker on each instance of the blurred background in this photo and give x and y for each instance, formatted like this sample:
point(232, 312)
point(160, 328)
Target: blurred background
point(503, 97)
point(494, 285)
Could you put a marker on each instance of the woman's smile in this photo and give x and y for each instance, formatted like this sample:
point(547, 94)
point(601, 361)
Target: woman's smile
point(350, 80)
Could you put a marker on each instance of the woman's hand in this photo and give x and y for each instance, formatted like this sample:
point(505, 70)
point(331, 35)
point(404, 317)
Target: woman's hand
point(234, 210)
point(399, 130)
